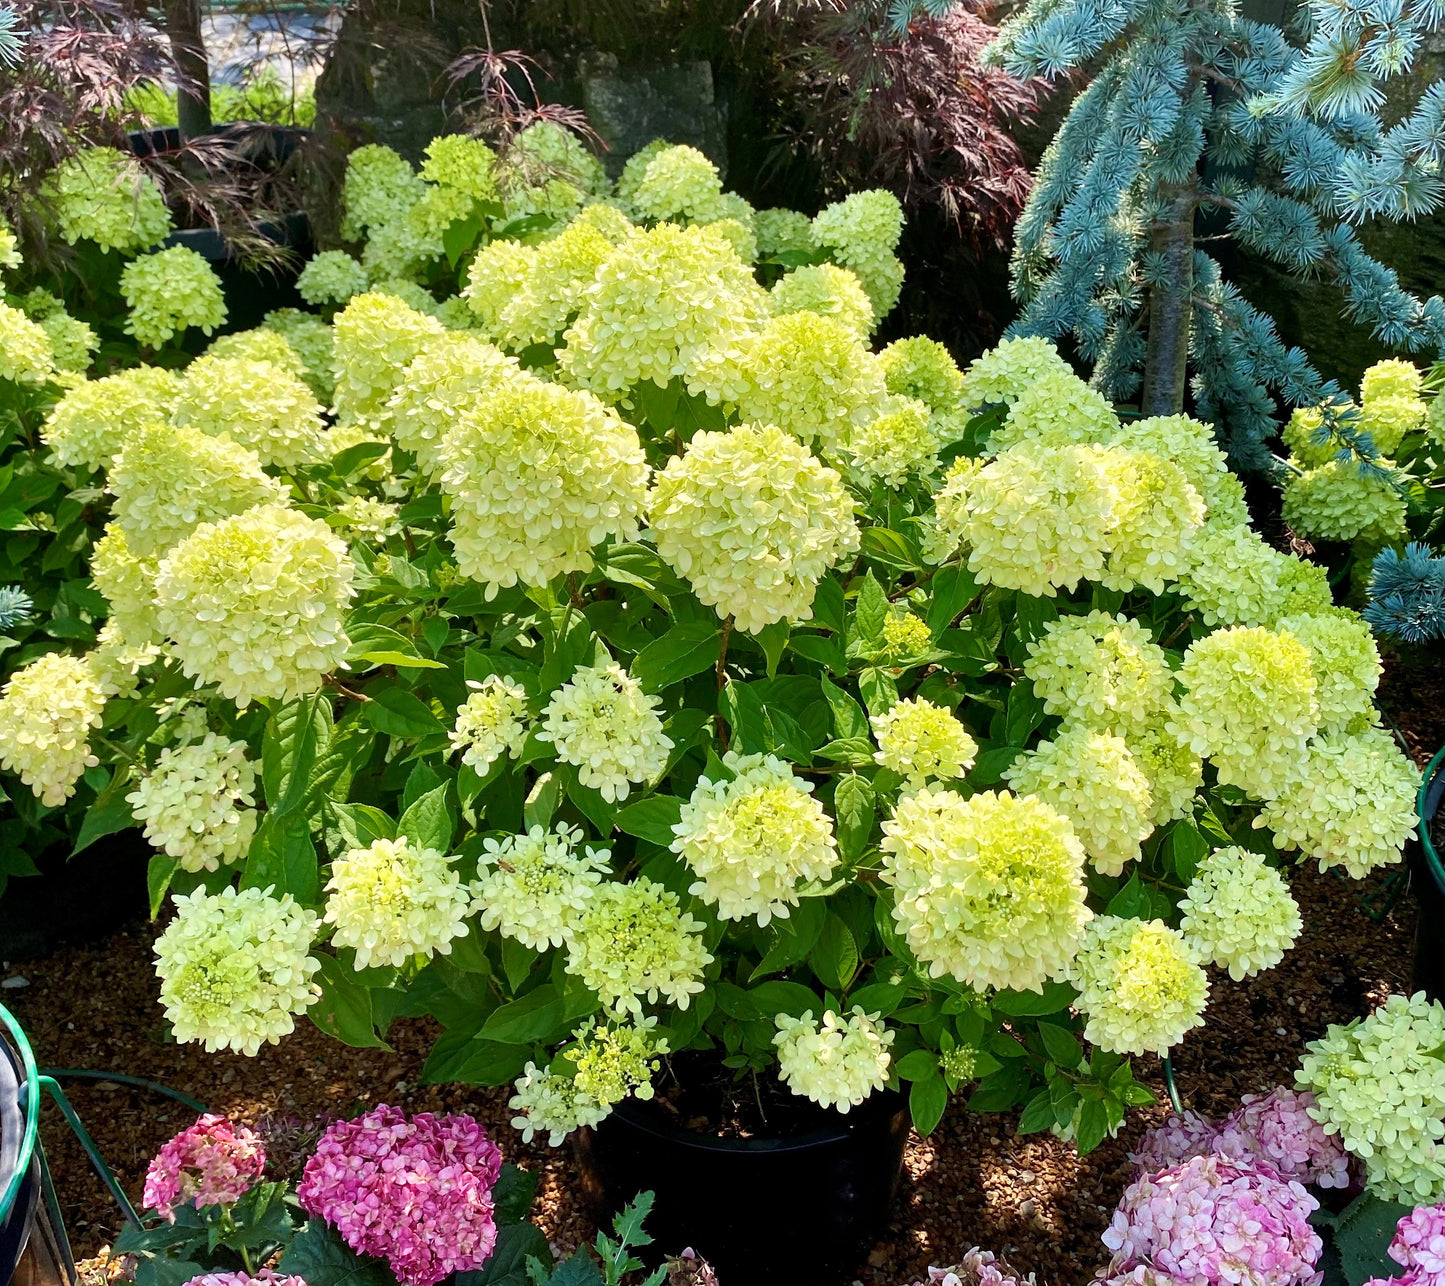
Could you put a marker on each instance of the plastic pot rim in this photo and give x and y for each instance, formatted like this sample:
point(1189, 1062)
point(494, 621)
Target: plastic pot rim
point(1433, 862)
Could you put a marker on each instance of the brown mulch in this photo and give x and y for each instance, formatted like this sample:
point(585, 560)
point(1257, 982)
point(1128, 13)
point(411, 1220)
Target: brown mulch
point(973, 1182)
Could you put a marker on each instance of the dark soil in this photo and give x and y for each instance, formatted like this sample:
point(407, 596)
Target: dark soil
point(695, 1091)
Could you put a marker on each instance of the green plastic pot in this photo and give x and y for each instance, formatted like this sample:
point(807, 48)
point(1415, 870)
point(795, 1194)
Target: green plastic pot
point(1429, 881)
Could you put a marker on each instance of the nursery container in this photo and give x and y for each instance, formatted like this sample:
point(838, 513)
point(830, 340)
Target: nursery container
point(34, 1250)
point(760, 1210)
point(251, 293)
point(1429, 881)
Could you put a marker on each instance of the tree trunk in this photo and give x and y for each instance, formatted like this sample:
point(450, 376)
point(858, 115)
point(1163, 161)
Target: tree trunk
point(193, 70)
point(1166, 353)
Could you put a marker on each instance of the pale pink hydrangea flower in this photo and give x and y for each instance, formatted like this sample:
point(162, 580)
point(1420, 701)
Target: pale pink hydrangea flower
point(977, 1268)
point(1420, 1242)
point(1184, 1135)
point(1211, 1221)
point(1276, 1129)
point(417, 1193)
point(212, 1163)
point(264, 1278)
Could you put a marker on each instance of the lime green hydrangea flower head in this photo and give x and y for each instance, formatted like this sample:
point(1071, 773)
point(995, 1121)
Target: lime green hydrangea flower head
point(1338, 502)
point(633, 941)
point(1238, 913)
point(116, 662)
point(451, 373)
point(668, 303)
point(1230, 577)
point(614, 1060)
point(256, 603)
point(103, 195)
point(1189, 445)
point(1171, 767)
point(380, 186)
point(128, 583)
point(47, 710)
point(906, 635)
point(611, 222)
point(836, 1064)
point(752, 838)
point(499, 272)
point(1379, 1083)
point(462, 162)
point(1249, 704)
point(367, 519)
point(392, 901)
point(523, 295)
point(71, 341)
point(1007, 369)
point(167, 481)
point(899, 443)
point(679, 184)
point(546, 150)
point(1056, 409)
point(1392, 377)
point(1104, 672)
point(861, 232)
point(988, 890)
point(923, 368)
point(635, 168)
point(257, 404)
point(235, 968)
point(331, 277)
point(1298, 436)
point(26, 354)
point(1139, 986)
point(1304, 588)
point(309, 338)
point(533, 887)
point(1091, 778)
point(1388, 419)
point(603, 723)
point(552, 1104)
point(752, 521)
point(10, 256)
point(538, 475)
point(778, 230)
point(922, 742)
point(399, 249)
point(169, 291)
point(825, 289)
point(491, 722)
point(376, 336)
point(1346, 663)
point(1349, 802)
point(1156, 517)
point(1037, 519)
point(195, 804)
point(812, 376)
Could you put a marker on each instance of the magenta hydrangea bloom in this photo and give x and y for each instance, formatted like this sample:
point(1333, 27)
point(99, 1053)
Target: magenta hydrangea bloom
point(1210, 1221)
point(264, 1278)
point(212, 1163)
point(1420, 1241)
point(1182, 1136)
point(416, 1193)
point(1276, 1129)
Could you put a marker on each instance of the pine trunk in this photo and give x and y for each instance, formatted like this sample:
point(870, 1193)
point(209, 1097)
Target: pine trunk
point(1166, 353)
point(193, 70)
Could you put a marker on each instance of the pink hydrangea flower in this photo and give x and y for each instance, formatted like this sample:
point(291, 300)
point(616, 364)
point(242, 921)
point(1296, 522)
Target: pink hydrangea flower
point(1420, 1242)
point(417, 1193)
point(264, 1278)
point(977, 1268)
point(1185, 1135)
point(1276, 1129)
point(1210, 1221)
point(213, 1163)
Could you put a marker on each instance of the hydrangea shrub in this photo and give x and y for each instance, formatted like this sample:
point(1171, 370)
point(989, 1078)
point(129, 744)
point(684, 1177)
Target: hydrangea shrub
point(631, 660)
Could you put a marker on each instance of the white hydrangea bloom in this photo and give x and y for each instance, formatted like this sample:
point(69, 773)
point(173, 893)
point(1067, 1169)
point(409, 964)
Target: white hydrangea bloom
point(1172, 768)
point(753, 522)
point(837, 1063)
point(195, 804)
point(258, 404)
point(532, 887)
point(91, 421)
point(256, 603)
point(392, 901)
point(551, 1104)
point(602, 722)
point(1100, 670)
point(235, 968)
point(1345, 661)
point(128, 583)
point(47, 710)
point(752, 839)
point(1156, 517)
point(922, 742)
point(1238, 913)
point(895, 445)
point(492, 722)
point(1231, 577)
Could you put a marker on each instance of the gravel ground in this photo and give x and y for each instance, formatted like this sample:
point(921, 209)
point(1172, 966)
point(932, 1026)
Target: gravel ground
point(973, 1182)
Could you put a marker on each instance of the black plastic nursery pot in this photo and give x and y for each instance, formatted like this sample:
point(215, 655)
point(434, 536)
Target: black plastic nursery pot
point(760, 1210)
point(34, 1250)
point(1429, 882)
point(250, 292)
